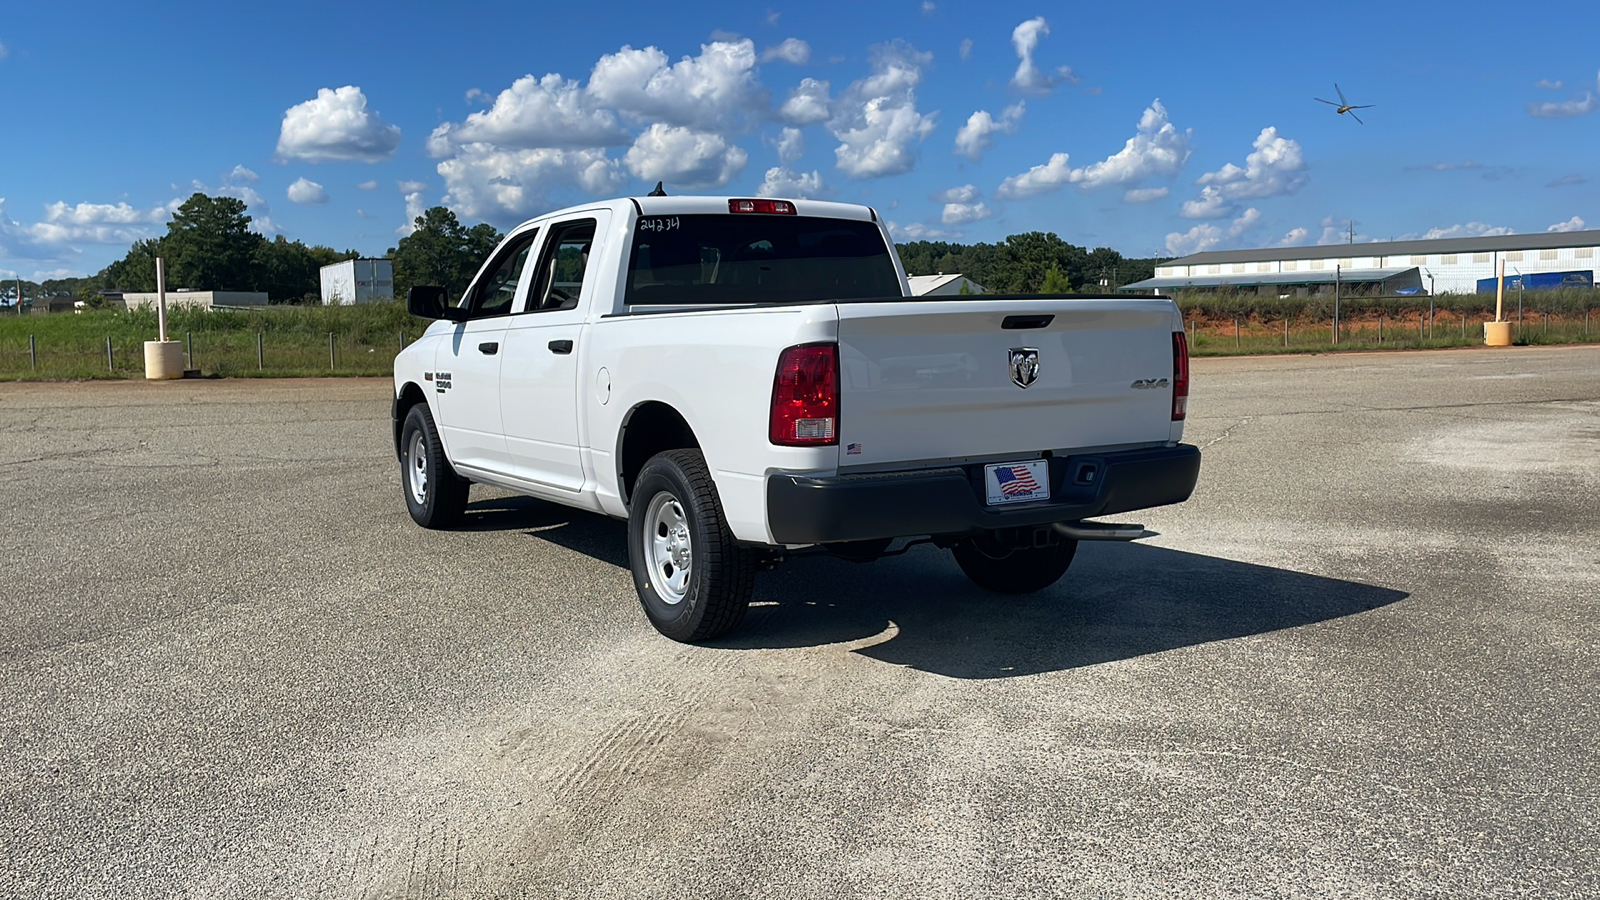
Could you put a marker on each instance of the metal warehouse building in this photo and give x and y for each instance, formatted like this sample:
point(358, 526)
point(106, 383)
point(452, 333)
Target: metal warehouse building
point(1448, 266)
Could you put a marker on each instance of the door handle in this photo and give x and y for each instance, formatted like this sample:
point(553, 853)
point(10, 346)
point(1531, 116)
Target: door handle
point(560, 346)
point(489, 347)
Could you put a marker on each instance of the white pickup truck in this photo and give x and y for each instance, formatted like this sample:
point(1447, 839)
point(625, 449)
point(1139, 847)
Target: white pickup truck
point(745, 379)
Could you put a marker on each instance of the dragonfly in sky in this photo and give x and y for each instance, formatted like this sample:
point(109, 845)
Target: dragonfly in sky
point(1345, 106)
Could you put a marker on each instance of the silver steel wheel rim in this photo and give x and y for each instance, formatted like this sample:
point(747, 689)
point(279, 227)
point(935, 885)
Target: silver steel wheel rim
point(417, 468)
point(667, 545)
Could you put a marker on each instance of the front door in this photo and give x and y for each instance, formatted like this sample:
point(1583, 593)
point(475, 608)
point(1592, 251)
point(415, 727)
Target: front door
point(467, 364)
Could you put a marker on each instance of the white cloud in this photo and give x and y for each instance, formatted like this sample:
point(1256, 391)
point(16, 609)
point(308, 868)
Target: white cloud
point(240, 173)
point(1156, 148)
point(917, 231)
point(685, 158)
point(709, 92)
point(973, 138)
point(959, 213)
point(929, 7)
point(808, 103)
point(1146, 195)
point(307, 192)
point(4, 52)
point(484, 182)
point(1573, 224)
point(781, 182)
point(1471, 229)
point(1276, 168)
point(791, 144)
point(97, 223)
point(264, 226)
point(1573, 178)
point(792, 50)
point(534, 113)
point(1209, 205)
point(1577, 106)
point(964, 194)
point(1338, 231)
point(414, 210)
point(1295, 238)
point(876, 118)
point(1038, 180)
point(336, 126)
point(1028, 77)
point(412, 187)
point(965, 50)
point(367, 186)
point(1547, 85)
point(1206, 236)
point(1565, 109)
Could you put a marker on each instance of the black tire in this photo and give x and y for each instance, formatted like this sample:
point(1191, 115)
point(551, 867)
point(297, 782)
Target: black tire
point(676, 518)
point(435, 495)
point(1020, 570)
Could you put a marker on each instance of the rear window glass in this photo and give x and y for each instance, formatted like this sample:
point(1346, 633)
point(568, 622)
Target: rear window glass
point(757, 258)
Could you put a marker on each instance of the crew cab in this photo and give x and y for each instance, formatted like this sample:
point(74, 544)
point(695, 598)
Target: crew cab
point(745, 379)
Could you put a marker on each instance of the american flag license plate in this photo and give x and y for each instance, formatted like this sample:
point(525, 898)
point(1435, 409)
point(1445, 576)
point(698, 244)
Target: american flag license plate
point(1017, 482)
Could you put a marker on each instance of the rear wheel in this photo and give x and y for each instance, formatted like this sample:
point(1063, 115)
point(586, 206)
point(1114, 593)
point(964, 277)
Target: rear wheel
point(435, 495)
point(693, 580)
point(1014, 570)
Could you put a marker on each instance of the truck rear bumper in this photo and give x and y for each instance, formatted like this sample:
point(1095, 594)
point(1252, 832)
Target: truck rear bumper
point(946, 501)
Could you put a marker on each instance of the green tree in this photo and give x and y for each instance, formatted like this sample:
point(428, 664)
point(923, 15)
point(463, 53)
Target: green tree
point(1055, 281)
point(441, 252)
point(134, 272)
point(209, 245)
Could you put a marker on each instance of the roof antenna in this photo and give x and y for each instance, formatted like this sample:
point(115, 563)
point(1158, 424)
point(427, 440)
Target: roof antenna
point(658, 192)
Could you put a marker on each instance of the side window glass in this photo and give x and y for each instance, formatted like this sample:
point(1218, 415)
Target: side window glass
point(497, 289)
point(562, 267)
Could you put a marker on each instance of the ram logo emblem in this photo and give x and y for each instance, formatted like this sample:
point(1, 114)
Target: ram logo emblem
point(1149, 384)
point(1024, 364)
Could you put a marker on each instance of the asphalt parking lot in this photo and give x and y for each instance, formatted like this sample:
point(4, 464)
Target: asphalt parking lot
point(1360, 662)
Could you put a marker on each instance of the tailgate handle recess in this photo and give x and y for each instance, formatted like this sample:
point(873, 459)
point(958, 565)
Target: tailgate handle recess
point(1017, 323)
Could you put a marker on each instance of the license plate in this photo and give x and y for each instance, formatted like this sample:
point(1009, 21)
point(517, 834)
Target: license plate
point(1017, 482)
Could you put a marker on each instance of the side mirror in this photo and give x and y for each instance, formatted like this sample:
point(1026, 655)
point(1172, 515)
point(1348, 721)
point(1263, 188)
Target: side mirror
point(430, 302)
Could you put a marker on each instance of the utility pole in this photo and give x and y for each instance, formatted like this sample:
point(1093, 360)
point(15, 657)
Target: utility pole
point(1336, 286)
point(1352, 231)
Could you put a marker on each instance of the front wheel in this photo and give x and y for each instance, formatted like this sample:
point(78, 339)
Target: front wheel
point(693, 580)
point(435, 495)
point(1014, 570)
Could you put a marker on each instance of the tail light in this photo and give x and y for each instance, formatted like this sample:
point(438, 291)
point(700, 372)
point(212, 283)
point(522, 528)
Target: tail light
point(769, 207)
point(1180, 376)
point(805, 397)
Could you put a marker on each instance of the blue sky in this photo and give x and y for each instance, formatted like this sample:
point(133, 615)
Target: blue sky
point(1157, 130)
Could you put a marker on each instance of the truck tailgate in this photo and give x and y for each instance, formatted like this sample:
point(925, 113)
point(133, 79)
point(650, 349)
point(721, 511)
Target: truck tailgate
point(932, 380)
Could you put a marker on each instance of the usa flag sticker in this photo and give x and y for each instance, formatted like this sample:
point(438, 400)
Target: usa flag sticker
point(1017, 482)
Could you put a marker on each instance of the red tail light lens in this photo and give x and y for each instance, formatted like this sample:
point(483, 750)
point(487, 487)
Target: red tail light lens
point(805, 397)
point(1180, 376)
point(770, 207)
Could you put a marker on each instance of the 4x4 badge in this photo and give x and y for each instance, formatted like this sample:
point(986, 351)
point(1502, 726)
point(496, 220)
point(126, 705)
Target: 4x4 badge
point(1024, 366)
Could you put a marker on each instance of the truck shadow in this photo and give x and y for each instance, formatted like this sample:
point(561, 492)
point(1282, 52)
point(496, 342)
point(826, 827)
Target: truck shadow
point(1118, 601)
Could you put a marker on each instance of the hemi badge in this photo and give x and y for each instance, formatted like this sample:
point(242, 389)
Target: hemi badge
point(427, 376)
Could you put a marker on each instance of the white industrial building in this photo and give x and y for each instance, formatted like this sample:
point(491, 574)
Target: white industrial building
point(357, 281)
point(942, 285)
point(1446, 266)
point(197, 299)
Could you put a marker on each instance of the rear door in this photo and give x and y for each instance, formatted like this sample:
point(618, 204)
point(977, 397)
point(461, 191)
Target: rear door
point(539, 397)
point(988, 377)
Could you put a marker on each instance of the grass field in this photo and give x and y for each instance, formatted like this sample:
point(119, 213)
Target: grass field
point(286, 341)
